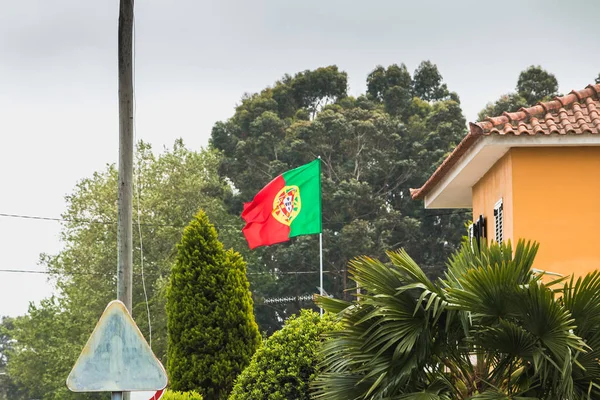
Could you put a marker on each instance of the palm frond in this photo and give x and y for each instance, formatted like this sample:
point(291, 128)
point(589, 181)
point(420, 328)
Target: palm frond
point(491, 329)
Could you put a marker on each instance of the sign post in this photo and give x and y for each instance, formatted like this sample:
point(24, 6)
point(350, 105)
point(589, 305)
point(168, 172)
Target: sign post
point(116, 358)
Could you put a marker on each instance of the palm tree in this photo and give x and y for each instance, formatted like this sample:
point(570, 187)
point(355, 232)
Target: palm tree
point(492, 328)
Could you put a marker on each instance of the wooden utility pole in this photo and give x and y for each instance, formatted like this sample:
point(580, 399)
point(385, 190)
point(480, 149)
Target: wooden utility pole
point(125, 251)
point(125, 242)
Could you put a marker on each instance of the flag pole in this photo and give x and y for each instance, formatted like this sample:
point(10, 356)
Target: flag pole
point(321, 266)
point(321, 291)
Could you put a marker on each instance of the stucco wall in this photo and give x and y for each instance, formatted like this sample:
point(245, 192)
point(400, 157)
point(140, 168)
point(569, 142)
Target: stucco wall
point(556, 199)
point(496, 184)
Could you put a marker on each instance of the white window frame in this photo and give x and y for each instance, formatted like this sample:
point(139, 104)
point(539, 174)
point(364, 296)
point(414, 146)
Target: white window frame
point(499, 221)
point(472, 235)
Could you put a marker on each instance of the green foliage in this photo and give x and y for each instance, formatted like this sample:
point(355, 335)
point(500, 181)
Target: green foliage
point(212, 333)
point(490, 329)
point(392, 87)
point(534, 85)
point(286, 364)
point(314, 89)
point(172, 185)
point(427, 83)
point(8, 389)
point(506, 103)
point(173, 395)
point(374, 148)
point(47, 343)
point(6, 325)
point(395, 88)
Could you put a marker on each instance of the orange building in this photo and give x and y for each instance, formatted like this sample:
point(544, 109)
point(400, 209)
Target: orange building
point(532, 174)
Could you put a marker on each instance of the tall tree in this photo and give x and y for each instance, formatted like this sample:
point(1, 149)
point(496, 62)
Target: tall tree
point(212, 333)
point(373, 149)
point(315, 89)
point(392, 87)
point(428, 82)
point(534, 85)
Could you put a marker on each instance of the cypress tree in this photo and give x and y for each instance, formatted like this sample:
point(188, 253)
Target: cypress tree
point(210, 321)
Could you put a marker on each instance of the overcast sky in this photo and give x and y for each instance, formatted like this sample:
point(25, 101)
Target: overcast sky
point(195, 59)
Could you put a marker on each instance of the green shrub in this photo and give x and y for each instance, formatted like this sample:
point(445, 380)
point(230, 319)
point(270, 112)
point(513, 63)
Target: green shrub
point(286, 364)
point(171, 395)
point(210, 321)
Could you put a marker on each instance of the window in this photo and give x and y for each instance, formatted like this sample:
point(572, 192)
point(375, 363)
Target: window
point(499, 221)
point(477, 230)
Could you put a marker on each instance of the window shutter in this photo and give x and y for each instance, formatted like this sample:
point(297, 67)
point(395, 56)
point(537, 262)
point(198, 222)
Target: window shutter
point(477, 231)
point(499, 221)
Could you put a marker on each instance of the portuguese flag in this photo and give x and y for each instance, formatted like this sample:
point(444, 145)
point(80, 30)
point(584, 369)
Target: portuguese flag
point(290, 205)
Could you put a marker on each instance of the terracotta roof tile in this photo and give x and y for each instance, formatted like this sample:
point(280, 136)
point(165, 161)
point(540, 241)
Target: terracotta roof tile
point(573, 114)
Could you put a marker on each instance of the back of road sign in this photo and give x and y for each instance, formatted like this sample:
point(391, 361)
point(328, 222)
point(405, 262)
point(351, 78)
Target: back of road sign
point(116, 357)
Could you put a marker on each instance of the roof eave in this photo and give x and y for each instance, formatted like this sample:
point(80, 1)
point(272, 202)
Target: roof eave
point(454, 188)
point(475, 132)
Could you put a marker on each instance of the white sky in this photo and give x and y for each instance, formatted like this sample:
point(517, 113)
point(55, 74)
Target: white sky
point(195, 59)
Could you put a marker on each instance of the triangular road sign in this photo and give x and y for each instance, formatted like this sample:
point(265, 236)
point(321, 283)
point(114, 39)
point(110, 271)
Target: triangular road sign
point(116, 357)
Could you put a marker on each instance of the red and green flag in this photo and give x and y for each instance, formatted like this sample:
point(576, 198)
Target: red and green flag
point(290, 205)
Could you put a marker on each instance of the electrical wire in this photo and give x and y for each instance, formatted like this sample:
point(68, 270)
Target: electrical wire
point(91, 221)
point(31, 271)
point(140, 224)
point(81, 220)
point(137, 184)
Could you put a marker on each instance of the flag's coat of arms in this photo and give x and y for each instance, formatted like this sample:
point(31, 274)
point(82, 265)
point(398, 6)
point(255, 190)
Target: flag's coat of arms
point(287, 204)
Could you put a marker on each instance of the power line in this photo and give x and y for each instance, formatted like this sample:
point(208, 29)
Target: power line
point(273, 300)
point(137, 179)
point(24, 271)
point(78, 220)
point(46, 218)
point(29, 271)
point(93, 221)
